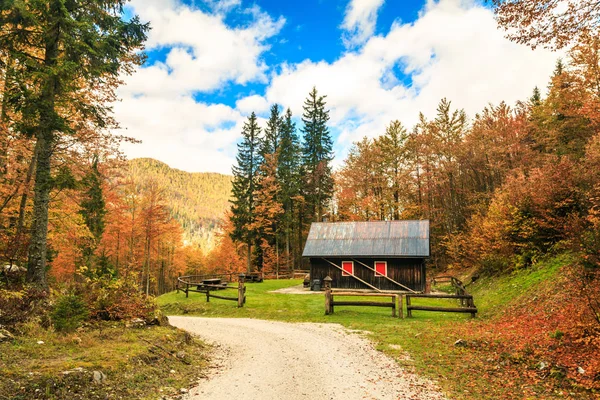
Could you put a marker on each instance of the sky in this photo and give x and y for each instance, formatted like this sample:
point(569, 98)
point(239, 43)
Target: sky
point(211, 63)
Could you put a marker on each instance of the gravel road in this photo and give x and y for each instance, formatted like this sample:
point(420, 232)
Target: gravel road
point(264, 360)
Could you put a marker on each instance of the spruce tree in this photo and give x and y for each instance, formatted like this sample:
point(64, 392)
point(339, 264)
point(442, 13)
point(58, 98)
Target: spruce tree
point(93, 207)
point(67, 56)
point(245, 175)
point(317, 154)
point(289, 177)
point(272, 137)
point(93, 210)
point(269, 149)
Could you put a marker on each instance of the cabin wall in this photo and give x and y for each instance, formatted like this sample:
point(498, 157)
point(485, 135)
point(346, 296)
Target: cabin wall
point(407, 271)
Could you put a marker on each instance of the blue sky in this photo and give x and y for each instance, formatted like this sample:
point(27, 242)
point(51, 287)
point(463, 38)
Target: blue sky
point(311, 31)
point(210, 63)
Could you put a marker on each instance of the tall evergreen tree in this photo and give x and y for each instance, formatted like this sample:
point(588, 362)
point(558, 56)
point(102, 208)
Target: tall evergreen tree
point(289, 177)
point(272, 137)
point(93, 207)
point(245, 175)
point(317, 154)
point(68, 56)
point(93, 210)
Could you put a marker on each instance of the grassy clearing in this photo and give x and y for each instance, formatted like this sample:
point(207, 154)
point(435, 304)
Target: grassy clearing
point(424, 343)
point(139, 363)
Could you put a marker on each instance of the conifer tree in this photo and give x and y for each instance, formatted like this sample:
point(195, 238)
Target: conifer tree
point(289, 177)
point(244, 184)
point(272, 137)
point(68, 56)
point(93, 207)
point(93, 210)
point(317, 154)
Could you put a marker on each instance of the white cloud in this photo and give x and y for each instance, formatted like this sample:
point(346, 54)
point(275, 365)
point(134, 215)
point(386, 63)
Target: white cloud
point(360, 21)
point(255, 103)
point(204, 54)
point(181, 132)
point(453, 50)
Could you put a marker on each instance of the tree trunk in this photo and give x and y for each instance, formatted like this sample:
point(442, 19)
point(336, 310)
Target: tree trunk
point(249, 258)
point(23, 205)
point(287, 251)
point(36, 266)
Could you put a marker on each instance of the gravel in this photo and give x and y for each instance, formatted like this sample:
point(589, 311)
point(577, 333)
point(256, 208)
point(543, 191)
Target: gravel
point(262, 360)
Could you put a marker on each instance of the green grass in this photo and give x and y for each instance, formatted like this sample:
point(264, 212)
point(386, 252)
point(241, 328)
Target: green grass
point(424, 343)
point(138, 363)
point(492, 294)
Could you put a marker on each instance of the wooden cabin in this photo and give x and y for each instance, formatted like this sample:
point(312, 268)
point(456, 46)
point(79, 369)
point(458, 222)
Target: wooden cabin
point(379, 255)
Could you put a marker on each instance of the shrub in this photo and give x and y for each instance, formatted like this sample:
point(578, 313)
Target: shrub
point(69, 312)
point(111, 299)
point(21, 304)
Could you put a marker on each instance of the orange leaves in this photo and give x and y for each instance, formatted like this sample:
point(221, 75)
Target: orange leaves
point(548, 23)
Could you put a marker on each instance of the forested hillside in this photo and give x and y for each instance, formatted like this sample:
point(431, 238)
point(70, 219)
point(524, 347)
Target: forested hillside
point(197, 201)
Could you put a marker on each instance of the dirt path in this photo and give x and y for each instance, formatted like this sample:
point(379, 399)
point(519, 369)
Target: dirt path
point(264, 360)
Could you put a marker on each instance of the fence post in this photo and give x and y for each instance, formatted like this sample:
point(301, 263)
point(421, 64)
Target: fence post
point(394, 302)
point(400, 310)
point(187, 289)
point(328, 302)
point(241, 291)
point(208, 295)
point(408, 310)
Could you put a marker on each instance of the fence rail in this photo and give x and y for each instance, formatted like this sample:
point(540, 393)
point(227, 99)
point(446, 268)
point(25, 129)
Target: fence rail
point(465, 299)
point(330, 302)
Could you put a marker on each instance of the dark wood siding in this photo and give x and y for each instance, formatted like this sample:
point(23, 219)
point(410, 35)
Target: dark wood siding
point(407, 271)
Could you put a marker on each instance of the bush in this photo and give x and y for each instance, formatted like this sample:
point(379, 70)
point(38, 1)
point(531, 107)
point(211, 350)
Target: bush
point(111, 299)
point(69, 312)
point(21, 304)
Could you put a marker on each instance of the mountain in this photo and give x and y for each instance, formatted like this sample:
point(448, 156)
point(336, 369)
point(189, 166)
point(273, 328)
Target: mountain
point(197, 200)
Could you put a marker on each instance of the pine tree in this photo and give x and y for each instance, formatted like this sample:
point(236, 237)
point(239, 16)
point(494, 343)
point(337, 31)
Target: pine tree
point(244, 185)
point(93, 211)
point(272, 137)
point(93, 207)
point(68, 56)
point(269, 149)
point(289, 177)
point(317, 155)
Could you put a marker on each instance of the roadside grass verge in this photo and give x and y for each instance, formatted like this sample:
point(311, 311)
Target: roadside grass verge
point(137, 363)
point(426, 343)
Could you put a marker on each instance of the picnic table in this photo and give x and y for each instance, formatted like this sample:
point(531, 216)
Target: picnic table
point(211, 283)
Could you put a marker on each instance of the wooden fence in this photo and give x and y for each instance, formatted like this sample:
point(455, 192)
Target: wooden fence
point(465, 300)
point(330, 301)
point(467, 305)
point(209, 285)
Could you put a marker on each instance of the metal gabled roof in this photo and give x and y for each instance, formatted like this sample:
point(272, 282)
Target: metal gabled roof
point(371, 239)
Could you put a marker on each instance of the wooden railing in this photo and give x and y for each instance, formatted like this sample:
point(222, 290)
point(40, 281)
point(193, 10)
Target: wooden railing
point(467, 305)
point(330, 301)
